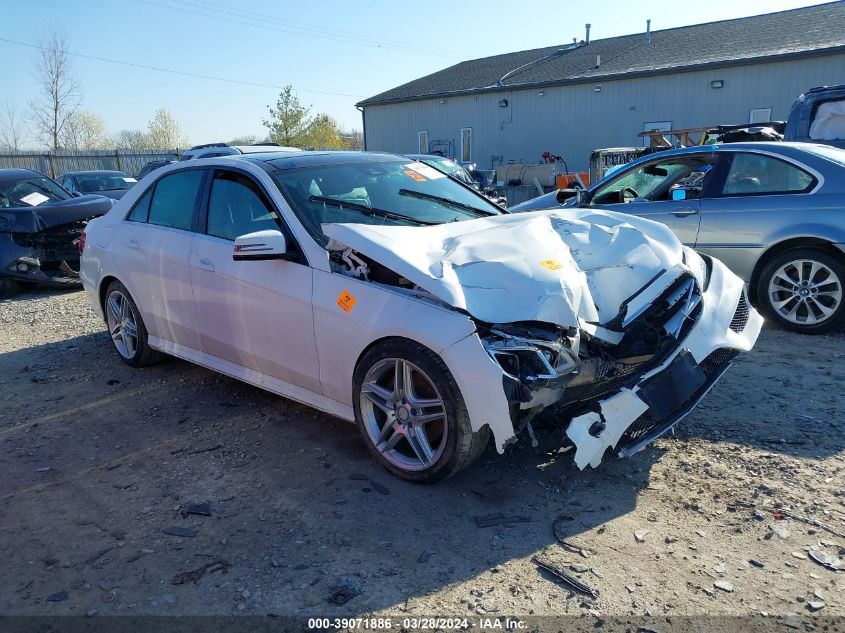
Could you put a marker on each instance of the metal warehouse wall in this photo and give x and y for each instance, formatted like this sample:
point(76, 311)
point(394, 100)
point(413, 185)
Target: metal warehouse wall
point(573, 120)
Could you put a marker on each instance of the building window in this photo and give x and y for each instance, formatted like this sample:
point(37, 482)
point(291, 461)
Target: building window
point(422, 142)
point(466, 145)
point(760, 115)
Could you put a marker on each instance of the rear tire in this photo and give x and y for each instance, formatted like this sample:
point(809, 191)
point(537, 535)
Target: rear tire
point(417, 428)
point(801, 290)
point(127, 329)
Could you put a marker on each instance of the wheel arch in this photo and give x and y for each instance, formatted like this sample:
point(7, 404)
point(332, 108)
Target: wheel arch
point(781, 247)
point(394, 337)
point(105, 282)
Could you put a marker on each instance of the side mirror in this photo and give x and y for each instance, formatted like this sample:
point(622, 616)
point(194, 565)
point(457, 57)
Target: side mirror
point(260, 245)
point(679, 194)
point(582, 198)
point(76, 194)
point(563, 195)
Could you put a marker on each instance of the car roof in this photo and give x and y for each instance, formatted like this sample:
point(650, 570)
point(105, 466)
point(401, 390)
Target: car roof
point(257, 149)
point(93, 172)
point(730, 147)
point(430, 156)
point(16, 174)
point(294, 160)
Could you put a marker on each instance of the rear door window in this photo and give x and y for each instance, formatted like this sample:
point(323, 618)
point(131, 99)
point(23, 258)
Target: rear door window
point(174, 199)
point(752, 174)
point(141, 211)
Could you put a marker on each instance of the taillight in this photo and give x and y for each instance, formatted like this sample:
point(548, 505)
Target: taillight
point(81, 243)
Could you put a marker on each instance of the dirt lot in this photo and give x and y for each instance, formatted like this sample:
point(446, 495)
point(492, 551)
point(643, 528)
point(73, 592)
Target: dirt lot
point(99, 461)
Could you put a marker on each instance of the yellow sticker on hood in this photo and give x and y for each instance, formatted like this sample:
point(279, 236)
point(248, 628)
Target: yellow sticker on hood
point(551, 264)
point(345, 301)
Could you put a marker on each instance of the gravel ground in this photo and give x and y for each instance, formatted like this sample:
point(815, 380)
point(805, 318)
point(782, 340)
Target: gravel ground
point(115, 481)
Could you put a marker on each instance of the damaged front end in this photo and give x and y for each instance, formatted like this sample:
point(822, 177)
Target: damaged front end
point(552, 296)
point(621, 385)
point(41, 254)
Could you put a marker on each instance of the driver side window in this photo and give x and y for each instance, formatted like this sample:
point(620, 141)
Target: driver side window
point(237, 206)
point(658, 180)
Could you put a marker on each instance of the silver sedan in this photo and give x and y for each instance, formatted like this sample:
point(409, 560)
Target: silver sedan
point(773, 212)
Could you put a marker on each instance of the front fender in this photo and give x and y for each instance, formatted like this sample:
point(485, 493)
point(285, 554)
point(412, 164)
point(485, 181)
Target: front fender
point(351, 314)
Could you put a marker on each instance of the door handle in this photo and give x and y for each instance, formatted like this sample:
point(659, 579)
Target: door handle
point(133, 244)
point(683, 212)
point(205, 264)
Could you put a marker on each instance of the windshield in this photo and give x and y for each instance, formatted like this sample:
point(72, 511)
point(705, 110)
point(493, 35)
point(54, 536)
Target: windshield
point(407, 193)
point(30, 192)
point(92, 183)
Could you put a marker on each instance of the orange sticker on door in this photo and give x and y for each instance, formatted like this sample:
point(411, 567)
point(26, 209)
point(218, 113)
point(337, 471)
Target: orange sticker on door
point(345, 301)
point(551, 264)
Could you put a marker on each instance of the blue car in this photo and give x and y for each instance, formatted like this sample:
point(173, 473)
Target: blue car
point(774, 213)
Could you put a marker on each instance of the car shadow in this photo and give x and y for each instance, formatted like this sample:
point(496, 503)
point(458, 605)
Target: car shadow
point(94, 448)
point(305, 521)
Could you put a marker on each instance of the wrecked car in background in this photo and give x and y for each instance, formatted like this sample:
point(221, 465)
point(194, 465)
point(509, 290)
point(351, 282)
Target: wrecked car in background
point(377, 289)
point(40, 225)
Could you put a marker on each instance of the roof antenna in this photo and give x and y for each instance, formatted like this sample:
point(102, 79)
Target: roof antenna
point(648, 31)
point(587, 40)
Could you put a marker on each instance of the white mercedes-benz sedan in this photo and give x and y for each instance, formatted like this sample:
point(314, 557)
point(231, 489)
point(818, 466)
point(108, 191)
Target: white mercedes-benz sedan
point(380, 290)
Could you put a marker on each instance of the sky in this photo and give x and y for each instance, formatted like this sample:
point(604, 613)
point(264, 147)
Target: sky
point(333, 53)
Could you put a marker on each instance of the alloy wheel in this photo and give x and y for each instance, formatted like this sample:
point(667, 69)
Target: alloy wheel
point(404, 414)
point(122, 324)
point(805, 292)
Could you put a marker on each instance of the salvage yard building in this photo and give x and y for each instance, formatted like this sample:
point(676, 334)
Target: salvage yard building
point(571, 99)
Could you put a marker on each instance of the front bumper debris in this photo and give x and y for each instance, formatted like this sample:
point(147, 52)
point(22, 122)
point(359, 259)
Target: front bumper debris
point(47, 257)
point(632, 417)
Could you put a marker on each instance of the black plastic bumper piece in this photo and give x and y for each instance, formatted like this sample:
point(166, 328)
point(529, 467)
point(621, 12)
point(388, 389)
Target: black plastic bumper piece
point(651, 425)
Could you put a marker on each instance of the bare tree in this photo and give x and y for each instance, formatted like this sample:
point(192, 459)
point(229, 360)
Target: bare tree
point(248, 139)
point(59, 87)
point(130, 139)
point(84, 130)
point(355, 138)
point(165, 131)
point(11, 127)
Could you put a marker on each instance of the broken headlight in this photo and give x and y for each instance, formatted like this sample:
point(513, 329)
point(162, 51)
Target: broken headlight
point(700, 265)
point(529, 360)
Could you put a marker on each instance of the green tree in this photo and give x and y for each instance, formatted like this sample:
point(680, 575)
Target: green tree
point(325, 133)
point(288, 122)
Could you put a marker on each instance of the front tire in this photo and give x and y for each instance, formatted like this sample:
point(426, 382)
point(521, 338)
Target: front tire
point(126, 328)
point(801, 290)
point(411, 414)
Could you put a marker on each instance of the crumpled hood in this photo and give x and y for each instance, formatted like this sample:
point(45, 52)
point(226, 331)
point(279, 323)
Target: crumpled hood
point(556, 266)
point(35, 219)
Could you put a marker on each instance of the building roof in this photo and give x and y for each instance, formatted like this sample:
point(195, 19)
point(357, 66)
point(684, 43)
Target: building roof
point(807, 31)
